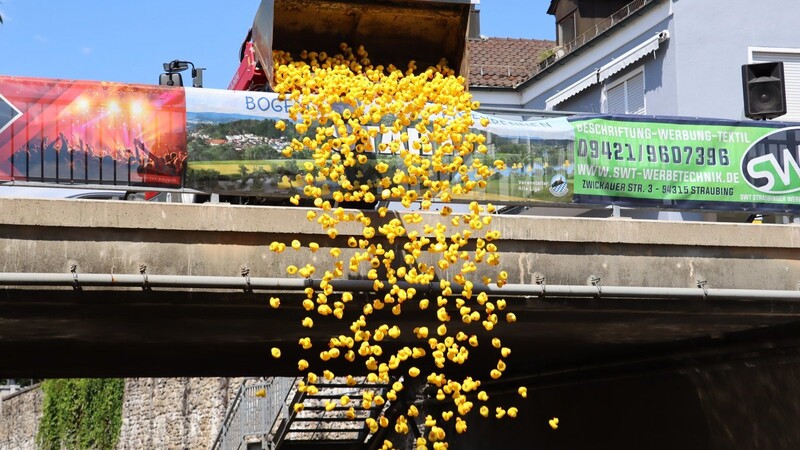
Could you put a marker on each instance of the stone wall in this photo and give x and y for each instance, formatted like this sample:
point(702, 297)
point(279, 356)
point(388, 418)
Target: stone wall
point(164, 413)
point(174, 413)
point(19, 419)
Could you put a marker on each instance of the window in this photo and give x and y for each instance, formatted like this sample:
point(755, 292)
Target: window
point(626, 96)
point(566, 29)
point(791, 76)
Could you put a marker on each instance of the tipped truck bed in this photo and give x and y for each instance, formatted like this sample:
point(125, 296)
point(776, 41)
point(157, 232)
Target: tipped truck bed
point(392, 31)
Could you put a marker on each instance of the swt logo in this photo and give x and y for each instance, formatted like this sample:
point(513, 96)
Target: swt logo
point(772, 165)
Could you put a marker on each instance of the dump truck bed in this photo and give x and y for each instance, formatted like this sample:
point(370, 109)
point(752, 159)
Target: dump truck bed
point(392, 31)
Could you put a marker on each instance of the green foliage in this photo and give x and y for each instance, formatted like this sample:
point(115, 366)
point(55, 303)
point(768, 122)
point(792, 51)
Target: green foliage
point(544, 54)
point(264, 128)
point(203, 152)
point(257, 152)
point(81, 414)
point(509, 147)
point(203, 178)
point(289, 168)
point(199, 150)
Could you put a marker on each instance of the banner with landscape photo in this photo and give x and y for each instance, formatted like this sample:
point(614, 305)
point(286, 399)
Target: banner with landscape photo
point(235, 148)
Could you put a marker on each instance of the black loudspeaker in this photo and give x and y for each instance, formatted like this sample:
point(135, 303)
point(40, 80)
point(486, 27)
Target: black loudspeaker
point(764, 90)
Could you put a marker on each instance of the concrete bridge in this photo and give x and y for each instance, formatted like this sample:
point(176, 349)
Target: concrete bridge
point(607, 305)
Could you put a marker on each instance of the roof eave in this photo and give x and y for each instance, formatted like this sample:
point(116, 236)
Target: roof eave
point(552, 8)
point(494, 88)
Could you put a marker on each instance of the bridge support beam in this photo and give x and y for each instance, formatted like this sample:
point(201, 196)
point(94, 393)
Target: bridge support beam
point(201, 331)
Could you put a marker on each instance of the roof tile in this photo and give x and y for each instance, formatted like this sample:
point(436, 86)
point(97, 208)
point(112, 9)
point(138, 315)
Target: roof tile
point(504, 62)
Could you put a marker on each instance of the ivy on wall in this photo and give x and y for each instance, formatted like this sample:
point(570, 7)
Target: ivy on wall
point(81, 414)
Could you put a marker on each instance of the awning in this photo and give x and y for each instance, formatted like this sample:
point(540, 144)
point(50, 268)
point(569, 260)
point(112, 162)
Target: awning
point(609, 69)
point(572, 89)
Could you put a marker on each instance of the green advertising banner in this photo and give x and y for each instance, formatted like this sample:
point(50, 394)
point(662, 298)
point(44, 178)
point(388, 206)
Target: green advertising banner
point(686, 164)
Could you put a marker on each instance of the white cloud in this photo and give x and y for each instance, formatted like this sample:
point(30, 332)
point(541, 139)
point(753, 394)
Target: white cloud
point(86, 50)
point(40, 39)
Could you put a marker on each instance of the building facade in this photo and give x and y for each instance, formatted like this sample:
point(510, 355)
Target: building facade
point(657, 57)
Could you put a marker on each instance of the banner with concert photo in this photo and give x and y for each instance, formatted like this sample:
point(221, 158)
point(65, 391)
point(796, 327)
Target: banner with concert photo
point(83, 132)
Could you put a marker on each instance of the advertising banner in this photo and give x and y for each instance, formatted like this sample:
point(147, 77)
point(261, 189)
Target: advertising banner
point(687, 164)
point(537, 157)
point(81, 132)
point(226, 142)
point(235, 149)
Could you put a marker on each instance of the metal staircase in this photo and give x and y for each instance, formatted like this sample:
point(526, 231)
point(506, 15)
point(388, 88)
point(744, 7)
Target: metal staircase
point(251, 417)
point(270, 422)
point(316, 425)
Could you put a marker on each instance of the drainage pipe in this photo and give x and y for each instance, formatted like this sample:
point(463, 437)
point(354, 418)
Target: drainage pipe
point(146, 281)
point(150, 281)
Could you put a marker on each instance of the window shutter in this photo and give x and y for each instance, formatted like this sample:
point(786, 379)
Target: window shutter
point(616, 99)
point(791, 78)
point(627, 97)
point(635, 89)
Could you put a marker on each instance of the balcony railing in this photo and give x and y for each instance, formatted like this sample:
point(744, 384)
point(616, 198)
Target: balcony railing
point(592, 33)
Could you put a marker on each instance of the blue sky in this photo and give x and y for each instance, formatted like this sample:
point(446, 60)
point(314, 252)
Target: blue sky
point(128, 41)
